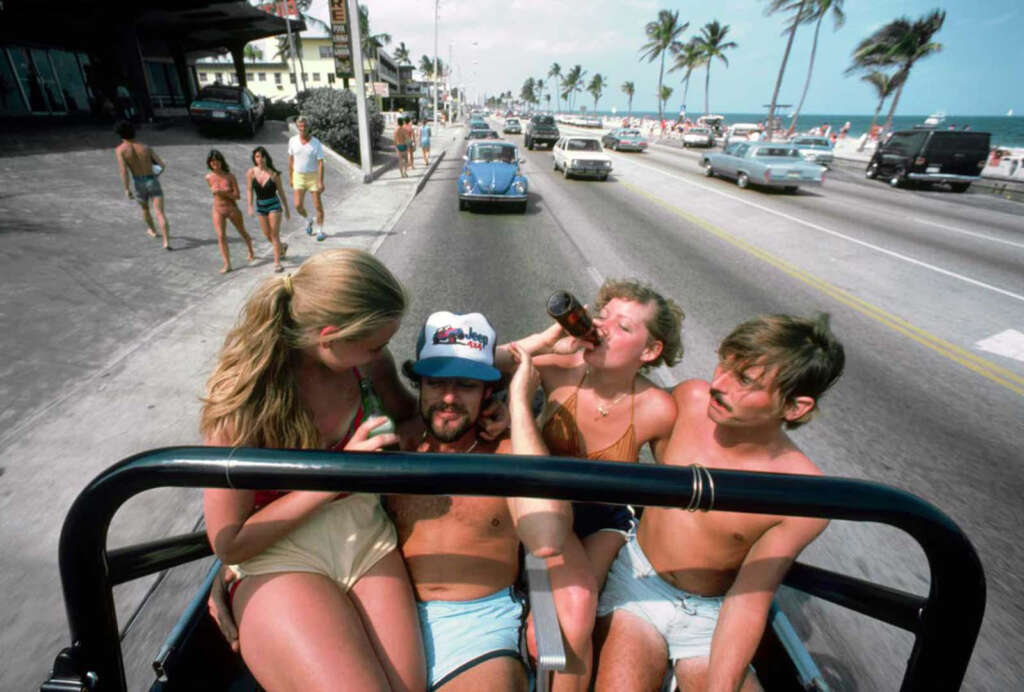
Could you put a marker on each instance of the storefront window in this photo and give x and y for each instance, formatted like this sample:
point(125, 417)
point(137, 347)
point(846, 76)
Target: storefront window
point(72, 85)
point(11, 101)
point(29, 79)
point(48, 80)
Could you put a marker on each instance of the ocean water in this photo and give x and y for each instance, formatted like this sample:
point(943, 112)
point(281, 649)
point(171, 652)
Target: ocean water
point(1006, 131)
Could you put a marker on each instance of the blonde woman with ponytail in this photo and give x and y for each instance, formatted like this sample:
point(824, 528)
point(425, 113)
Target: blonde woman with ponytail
point(323, 600)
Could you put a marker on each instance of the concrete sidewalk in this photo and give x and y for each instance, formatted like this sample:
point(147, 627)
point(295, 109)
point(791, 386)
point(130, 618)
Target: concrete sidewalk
point(109, 339)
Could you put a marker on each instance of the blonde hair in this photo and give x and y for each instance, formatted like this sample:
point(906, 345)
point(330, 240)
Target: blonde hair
point(252, 395)
point(665, 325)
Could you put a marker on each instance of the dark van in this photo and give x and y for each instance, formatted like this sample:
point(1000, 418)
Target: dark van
point(931, 156)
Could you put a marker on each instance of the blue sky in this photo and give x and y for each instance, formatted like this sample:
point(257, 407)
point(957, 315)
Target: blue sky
point(979, 72)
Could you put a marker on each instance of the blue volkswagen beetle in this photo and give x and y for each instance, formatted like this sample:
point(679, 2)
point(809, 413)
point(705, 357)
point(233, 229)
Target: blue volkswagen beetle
point(491, 175)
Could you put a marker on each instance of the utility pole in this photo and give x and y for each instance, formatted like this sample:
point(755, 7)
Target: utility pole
point(365, 155)
point(437, 4)
point(291, 44)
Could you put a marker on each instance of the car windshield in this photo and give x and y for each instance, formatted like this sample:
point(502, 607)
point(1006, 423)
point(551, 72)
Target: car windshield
point(776, 151)
point(583, 145)
point(486, 153)
point(544, 120)
point(512, 121)
point(630, 133)
point(223, 94)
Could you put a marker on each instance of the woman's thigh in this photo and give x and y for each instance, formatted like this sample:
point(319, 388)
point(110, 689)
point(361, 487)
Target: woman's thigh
point(386, 603)
point(219, 222)
point(266, 225)
point(299, 631)
point(236, 218)
point(275, 222)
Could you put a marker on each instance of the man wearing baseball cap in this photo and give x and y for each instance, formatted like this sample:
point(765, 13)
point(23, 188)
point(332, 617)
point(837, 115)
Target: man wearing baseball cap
point(463, 552)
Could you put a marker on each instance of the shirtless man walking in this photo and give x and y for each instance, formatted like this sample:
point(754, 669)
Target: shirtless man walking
point(137, 159)
point(463, 552)
point(696, 588)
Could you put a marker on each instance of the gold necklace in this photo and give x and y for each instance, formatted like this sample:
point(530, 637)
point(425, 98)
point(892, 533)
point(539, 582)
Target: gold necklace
point(604, 410)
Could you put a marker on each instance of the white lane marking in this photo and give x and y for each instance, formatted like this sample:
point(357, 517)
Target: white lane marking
point(790, 217)
point(1009, 343)
point(970, 233)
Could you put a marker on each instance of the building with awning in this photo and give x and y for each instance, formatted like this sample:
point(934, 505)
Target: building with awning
point(103, 58)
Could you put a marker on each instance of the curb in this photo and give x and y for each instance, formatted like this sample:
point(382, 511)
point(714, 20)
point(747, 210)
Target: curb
point(390, 224)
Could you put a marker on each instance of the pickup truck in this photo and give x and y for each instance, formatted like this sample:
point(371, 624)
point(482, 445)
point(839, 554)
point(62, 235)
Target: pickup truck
point(541, 130)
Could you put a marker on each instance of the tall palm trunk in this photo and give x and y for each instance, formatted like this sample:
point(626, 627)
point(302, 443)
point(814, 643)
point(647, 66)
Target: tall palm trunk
point(661, 74)
point(630, 114)
point(707, 81)
point(807, 82)
point(874, 119)
point(896, 97)
point(686, 88)
point(782, 68)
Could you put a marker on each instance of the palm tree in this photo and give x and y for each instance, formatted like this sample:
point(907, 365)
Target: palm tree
point(402, 53)
point(815, 12)
point(664, 94)
point(284, 51)
point(526, 93)
point(596, 87)
point(427, 67)
point(572, 83)
point(899, 43)
point(885, 84)
point(252, 52)
point(628, 88)
point(555, 71)
point(713, 45)
point(538, 88)
point(663, 36)
point(798, 16)
point(688, 57)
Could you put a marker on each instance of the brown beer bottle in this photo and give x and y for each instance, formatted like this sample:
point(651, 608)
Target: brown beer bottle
point(569, 312)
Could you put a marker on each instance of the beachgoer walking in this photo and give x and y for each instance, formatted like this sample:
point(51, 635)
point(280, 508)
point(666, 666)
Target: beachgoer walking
point(322, 600)
point(138, 159)
point(264, 182)
point(306, 172)
point(412, 125)
point(401, 146)
point(224, 187)
point(425, 142)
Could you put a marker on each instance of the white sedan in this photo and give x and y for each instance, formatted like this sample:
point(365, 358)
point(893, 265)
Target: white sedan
point(582, 156)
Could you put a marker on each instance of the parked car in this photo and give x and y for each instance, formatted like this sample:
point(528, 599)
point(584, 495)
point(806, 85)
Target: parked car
point(928, 156)
point(624, 139)
point(582, 156)
point(512, 127)
point(698, 137)
point(814, 149)
point(491, 175)
point(228, 107)
point(770, 165)
point(540, 130)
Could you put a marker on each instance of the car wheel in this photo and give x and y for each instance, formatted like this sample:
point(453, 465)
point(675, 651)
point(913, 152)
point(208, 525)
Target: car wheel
point(791, 189)
point(554, 164)
point(898, 178)
point(565, 172)
point(959, 187)
point(872, 171)
point(463, 205)
point(709, 172)
point(743, 180)
point(250, 127)
point(521, 207)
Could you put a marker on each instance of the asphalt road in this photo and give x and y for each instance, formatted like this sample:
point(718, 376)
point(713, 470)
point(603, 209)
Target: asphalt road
point(913, 281)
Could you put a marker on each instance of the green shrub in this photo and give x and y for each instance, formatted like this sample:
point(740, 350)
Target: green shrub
point(280, 110)
point(334, 120)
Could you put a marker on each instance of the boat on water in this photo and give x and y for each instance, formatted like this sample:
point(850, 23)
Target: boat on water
point(935, 119)
point(1009, 113)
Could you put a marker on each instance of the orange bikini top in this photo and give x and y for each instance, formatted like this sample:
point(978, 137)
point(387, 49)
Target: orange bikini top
point(563, 437)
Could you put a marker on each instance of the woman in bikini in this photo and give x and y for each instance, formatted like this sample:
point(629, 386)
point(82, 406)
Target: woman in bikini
point(599, 406)
point(264, 181)
point(323, 600)
point(224, 187)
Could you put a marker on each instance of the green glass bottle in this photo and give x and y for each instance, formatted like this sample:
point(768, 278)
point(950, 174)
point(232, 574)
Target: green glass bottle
point(373, 408)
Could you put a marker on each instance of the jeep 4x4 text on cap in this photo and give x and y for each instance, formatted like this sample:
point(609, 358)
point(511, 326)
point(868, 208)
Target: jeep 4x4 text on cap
point(541, 130)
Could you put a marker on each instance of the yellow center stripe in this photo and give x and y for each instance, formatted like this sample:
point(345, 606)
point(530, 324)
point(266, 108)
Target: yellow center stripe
point(975, 363)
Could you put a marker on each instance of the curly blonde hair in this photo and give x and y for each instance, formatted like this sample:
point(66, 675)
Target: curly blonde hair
point(665, 325)
point(251, 396)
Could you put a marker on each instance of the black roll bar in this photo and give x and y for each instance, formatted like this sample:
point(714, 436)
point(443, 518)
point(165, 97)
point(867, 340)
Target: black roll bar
point(945, 624)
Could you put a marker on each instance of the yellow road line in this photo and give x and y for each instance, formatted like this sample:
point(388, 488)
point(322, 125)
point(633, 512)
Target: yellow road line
point(971, 361)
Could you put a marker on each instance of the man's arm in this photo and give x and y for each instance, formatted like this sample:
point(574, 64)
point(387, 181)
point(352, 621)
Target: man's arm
point(542, 525)
point(320, 164)
point(745, 609)
point(122, 170)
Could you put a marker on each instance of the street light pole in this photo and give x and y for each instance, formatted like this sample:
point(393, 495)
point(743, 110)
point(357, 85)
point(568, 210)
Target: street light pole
point(437, 4)
point(357, 67)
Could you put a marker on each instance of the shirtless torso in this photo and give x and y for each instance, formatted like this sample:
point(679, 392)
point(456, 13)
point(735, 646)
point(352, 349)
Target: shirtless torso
point(137, 157)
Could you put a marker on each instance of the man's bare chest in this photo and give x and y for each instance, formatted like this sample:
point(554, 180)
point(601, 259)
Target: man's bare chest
point(437, 517)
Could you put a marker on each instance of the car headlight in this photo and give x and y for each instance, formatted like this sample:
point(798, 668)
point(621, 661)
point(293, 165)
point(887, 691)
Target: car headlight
point(607, 164)
point(519, 186)
point(467, 186)
point(574, 164)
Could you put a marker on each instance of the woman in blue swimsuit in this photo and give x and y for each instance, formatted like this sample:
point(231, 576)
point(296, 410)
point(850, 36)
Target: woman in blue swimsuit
point(265, 182)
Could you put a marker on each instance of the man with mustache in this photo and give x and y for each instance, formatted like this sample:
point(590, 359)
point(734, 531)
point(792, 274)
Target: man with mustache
point(463, 552)
point(696, 588)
